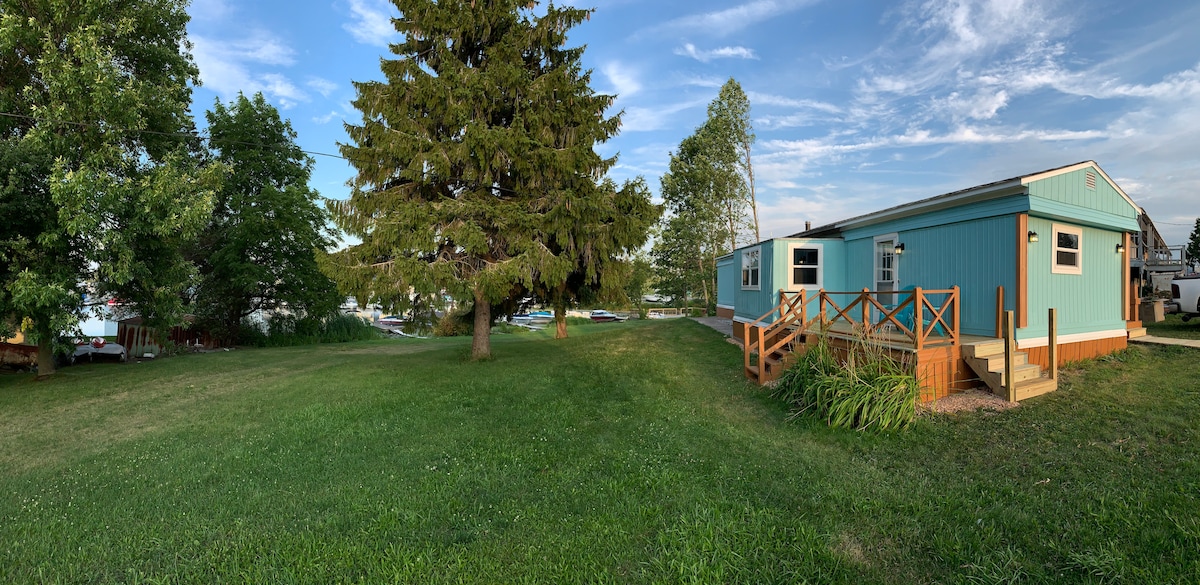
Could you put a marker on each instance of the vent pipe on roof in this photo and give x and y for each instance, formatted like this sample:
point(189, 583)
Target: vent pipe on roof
point(807, 225)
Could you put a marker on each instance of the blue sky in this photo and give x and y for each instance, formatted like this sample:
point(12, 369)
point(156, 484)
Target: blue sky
point(858, 105)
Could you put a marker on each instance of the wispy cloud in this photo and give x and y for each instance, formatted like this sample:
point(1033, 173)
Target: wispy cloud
point(624, 79)
point(730, 20)
point(690, 50)
point(225, 67)
point(643, 119)
point(371, 22)
point(321, 85)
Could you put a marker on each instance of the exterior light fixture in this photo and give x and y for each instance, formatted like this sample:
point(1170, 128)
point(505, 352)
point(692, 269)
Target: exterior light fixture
point(1120, 248)
point(1033, 237)
point(899, 248)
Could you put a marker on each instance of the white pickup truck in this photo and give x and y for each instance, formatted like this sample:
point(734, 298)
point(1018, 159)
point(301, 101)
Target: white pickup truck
point(1185, 291)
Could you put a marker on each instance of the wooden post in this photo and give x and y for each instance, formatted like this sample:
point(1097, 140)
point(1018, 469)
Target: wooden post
point(999, 311)
point(762, 358)
point(954, 324)
point(821, 306)
point(746, 344)
point(803, 308)
point(918, 318)
point(1010, 389)
point(1052, 346)
point(866, 309)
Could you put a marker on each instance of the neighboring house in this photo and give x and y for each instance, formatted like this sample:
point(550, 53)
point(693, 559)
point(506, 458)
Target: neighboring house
point(1053, 239)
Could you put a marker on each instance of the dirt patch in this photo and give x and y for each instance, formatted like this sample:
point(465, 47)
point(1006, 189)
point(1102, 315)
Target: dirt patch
point(969, 401)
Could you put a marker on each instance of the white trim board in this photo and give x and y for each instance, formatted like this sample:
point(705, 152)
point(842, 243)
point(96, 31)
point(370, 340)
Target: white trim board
point(720, 306)
point(1072, 338)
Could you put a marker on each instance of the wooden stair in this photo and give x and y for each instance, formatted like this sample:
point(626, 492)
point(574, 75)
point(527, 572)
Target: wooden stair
point(987, 359)
point(776, 362)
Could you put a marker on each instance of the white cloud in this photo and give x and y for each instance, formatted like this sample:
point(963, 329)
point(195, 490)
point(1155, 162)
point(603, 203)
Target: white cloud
point(321, 86)
point(225, 68)
point(624, 79)
point(371, 22)
point(645, 119)
point(690, 50)
point(327, 118)
point(729, 20)
point(766, 99)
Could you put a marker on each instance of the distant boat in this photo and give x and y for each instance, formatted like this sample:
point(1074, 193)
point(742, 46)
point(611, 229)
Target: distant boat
point(602, 316)
point(393, 320)
point(540, 317)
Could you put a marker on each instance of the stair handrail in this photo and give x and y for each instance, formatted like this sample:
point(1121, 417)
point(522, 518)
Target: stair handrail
point(751, 329)
point(797, 313)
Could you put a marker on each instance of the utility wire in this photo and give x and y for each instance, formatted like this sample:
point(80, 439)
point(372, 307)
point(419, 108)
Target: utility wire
point(197, 136)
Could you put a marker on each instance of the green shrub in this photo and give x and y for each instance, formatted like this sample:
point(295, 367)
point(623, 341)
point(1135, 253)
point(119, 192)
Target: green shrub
point(288, 330)
point(869, 390)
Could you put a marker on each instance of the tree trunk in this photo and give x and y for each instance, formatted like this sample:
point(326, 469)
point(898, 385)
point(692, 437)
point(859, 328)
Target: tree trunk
point(703, 283)
point(560, 317)
point(45, 358)
point(753, 200)
point(732, 230)
point(481, 342)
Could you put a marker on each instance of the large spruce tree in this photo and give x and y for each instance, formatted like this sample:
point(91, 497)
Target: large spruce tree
point(97, 190)
point(258, 251)
point(476, 172)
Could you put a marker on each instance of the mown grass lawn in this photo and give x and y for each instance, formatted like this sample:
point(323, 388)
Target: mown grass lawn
point(630, 453)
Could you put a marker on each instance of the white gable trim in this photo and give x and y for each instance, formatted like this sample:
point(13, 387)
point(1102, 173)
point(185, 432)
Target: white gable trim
point(1083, 165)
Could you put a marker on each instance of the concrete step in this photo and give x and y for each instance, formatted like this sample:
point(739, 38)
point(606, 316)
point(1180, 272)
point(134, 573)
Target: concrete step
point(1137, 332)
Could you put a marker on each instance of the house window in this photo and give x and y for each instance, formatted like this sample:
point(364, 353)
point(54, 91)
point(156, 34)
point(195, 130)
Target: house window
point(1068, 250)
point(805, 266)
point(750, 268)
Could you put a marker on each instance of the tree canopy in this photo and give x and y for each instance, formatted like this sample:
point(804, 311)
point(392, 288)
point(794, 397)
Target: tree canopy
point(1193, 246)
point(97, 189)
point(475, 160)
point(258, 251)
point(708, 194)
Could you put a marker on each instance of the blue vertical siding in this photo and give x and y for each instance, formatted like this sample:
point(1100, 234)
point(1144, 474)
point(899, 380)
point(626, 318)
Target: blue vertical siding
point(1086, 302)
point(976, 255)
point(752, 304)
point(728, 279)
point(1071, 189)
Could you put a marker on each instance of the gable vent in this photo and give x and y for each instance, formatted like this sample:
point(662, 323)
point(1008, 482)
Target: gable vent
point(1090, 179)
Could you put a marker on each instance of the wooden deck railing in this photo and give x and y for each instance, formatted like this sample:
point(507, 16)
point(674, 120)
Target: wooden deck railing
point(792, 321)
point(919, 319)
point(916, 318)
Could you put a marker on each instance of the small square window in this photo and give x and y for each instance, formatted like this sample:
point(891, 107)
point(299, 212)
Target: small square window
point(805, 266)
point(750, 269)
point(1068, 250)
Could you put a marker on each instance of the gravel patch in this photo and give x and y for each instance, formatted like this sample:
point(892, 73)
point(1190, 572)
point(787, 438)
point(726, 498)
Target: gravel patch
point(970, 401)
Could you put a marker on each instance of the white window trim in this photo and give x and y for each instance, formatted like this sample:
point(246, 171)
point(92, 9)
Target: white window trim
point(741, 275)
point(1055, 267)
point(895, 239)
point(820, 266)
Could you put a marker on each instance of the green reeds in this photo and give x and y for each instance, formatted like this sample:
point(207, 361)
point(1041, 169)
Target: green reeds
point(870, 389)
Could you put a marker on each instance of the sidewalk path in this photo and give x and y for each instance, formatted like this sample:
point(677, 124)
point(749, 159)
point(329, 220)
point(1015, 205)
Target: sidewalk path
point(723, 326)
point(1153, 339)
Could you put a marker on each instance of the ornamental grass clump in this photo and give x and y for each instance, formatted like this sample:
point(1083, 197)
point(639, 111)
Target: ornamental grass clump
point(868, 390)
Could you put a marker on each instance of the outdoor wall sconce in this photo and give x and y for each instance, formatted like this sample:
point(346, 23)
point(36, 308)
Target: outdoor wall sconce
point(1120, 248)
point(1033, 237)
point(899, 248)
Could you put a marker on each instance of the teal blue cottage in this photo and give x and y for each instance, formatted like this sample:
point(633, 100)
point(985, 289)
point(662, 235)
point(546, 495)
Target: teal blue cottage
point(1053, 239)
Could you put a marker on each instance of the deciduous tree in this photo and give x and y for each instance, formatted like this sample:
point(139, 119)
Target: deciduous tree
point(100, 188)
point(258, 251)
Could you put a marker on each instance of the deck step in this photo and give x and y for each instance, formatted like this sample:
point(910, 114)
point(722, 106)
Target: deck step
point(1137, 332)
point(984, 348)
point(1035, 387)
point(995, 363)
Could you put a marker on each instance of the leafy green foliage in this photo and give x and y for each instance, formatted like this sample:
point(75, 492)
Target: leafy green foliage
point(289, 330)
point(1193, 245)
point(258, 251)
point(100, 191)
point(476, 168)
point(869, 390)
